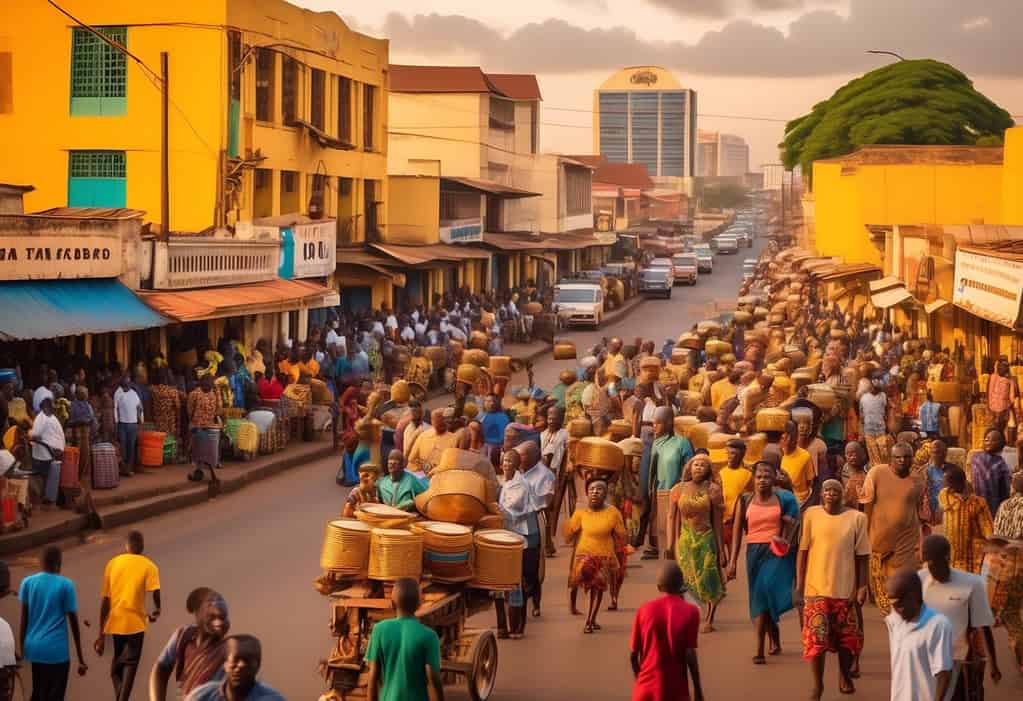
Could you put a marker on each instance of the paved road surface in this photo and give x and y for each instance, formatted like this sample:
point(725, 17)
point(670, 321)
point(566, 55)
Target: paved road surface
point(260, 548)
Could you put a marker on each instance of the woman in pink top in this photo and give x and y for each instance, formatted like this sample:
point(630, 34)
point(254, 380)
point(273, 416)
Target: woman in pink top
point(769, 517)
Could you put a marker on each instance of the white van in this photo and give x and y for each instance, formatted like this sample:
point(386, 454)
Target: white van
point(579, 302)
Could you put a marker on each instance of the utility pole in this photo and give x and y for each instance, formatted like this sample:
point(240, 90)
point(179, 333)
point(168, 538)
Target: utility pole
point(164, 148)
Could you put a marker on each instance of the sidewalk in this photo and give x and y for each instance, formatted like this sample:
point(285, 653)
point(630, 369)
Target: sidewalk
point(154, 492)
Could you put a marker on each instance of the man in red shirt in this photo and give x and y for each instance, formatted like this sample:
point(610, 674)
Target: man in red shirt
point(664, 643)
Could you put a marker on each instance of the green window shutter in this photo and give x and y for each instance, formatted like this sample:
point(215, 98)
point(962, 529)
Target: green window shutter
point(97, 179)
point(99, 73)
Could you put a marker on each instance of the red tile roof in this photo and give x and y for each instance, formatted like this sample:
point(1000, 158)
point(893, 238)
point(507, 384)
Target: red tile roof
point(439, 79)
point(517, 86)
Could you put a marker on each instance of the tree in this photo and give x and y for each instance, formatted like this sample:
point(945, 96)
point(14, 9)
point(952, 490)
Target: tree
point(922, 102)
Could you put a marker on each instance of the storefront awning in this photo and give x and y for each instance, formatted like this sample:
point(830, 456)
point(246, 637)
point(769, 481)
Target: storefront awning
point(989, 282)
point(934, 306)
point(431, 253)
point(846, 272)
point(242, 300)
point(57, 308)
point(489, 187)
point(890, 297)
point(885, 283)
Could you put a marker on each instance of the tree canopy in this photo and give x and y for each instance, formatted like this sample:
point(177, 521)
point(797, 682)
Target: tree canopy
point(922, 102)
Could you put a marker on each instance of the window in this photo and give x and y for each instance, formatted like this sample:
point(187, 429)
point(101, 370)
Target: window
point(644, 129)
point(97, 179)
point(369, 94)
point(577, 190)
point(673, 131)
point(234, 91)
point(99, 73)
point(317, 196)
point(262, 193)
point(614, 119)
point(370, 207)
point(502, 113)
point(317, 90)
point(265, 60)
point(534, 127)
point(459, 205)
point(344, 109)
point(289, 192)
point(289, 89)
point(346, 228)
point(6, 82)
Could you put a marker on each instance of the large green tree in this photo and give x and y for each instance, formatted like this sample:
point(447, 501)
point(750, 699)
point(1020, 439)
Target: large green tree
point(908, 102)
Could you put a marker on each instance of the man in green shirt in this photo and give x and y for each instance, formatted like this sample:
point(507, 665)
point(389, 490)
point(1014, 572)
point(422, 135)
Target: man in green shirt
point(403, 654)
point(399, 488)
point(668, 454)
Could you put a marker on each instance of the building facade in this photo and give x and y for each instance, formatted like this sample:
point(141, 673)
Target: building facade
point(721, 155)
point(643, 115)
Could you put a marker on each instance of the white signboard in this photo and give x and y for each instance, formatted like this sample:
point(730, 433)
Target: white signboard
point(315, 248)
point(462, 231)
point(59, 257)
point(989, 287)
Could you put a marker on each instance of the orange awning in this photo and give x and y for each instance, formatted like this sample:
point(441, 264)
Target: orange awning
point(240, 300)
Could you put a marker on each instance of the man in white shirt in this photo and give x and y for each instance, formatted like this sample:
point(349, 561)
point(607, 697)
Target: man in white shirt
point(553, 448)
point(336, 339)
point(47, 449)
point(128, 415)
point(42, 392)
point(391, 324)
point(7, 656)
point(920, 642)
point(962, 598)
point(407, 334)
point(541, 482)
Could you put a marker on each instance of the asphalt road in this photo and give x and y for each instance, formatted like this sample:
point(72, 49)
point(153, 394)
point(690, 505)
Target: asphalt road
point(260, 547)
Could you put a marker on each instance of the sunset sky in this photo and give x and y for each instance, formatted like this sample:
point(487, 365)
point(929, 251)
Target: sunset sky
point(765, 59)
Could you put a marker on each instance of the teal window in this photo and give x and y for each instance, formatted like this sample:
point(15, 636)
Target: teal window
point(97, 179)
point(99, 73)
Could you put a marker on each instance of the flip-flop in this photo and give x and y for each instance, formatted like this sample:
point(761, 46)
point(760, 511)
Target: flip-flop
point(588, 629)
point(759, 659)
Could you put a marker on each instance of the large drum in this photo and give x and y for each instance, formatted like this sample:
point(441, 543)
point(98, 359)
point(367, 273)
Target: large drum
point(498, 560)
point(447, 550)
point(395, 554)
point(345, 547)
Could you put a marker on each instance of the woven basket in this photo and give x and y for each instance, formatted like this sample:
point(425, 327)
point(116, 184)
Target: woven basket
point(447, 550)
point(477, 357)
point(498, 556)
point(579, 428)
point(564, 350)
point(599, 454)
point(683, 424)
point(755, 445)
point(383, 516)
point(707, 326)
point(490, 521)
point(823, 395)
point(772, 419)
point(479, 340)
point(945, 391)
point(700, 433)
point(500, 365)
point(437, 356)
point(690, 341)
point(742, 317)
point(346, 545)
point(395, 554)
point(454, 496)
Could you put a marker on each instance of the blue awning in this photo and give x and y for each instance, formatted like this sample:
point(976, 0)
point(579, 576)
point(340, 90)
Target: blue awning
point(56, 308)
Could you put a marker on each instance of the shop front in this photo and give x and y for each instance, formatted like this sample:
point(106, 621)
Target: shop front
point(988, 293)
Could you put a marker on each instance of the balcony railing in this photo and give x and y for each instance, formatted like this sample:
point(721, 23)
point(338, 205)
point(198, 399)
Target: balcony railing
point(186, 262)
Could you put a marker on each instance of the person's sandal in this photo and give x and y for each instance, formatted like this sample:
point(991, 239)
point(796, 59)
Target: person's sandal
point(759, 659)
point(588, 629)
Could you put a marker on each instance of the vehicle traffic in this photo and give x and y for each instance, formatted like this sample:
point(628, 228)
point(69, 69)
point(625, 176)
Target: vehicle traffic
point(685, 268)
point(727, 244)
point(579, 302)
point(705, 257)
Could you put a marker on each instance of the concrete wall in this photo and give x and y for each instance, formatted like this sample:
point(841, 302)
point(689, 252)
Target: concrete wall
point(413, 210)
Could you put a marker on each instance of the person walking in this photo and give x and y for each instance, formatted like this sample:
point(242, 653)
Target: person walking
point(831, 585)
point(968, 522)
point(126, 580)
point(894, 502)
point(8, 654)
point(664, 641)
point(204, 424)
point(244, 659)
point(962, 598)
point(873, 407)
point(194, 654)
point(541, 485)
point(919, 641)
point(403, 654)
point(1004, 568)
point(989, 473)
point(49, 606)
point(128, 416)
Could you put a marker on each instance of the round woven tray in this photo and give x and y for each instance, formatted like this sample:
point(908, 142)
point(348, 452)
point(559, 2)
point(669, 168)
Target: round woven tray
point(383, 516)
point(346, 545)
point(394, 554)
point(498, 560)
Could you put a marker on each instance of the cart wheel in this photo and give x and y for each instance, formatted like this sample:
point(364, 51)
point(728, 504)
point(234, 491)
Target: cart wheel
point(483, 676)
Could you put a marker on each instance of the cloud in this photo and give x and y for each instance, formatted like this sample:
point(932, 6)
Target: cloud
point(713, 9)
point(772, 5)
point(586, 4)
point(818, 42)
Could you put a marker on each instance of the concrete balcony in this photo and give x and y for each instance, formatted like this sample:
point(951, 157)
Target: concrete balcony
point(188, 262)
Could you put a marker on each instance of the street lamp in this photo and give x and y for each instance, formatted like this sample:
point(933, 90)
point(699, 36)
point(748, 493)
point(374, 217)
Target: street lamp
point(886, 53)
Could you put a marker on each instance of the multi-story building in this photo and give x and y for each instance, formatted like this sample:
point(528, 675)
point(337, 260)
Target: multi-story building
point(469, 184)
point(643, 115)
point(721, 155)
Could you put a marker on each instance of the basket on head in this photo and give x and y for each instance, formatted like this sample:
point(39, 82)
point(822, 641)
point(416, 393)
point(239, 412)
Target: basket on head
point(690, 341)
point(500, 366)
point(564, 350)
point(455, 496)
point(755, 445)
point(478, 340)
point(599, 454)
point(717, 347)
point(477, 357)
point(620, 429)
point(580, 428)
point(823, 395)
point(437, 356)
point(771, 419)
point(682, 424)
point(401, 393)
point(699, 434)
point(742, 317)
point(717, 445)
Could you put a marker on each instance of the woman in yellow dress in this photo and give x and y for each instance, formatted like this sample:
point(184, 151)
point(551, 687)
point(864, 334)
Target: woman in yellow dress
point(593, 530)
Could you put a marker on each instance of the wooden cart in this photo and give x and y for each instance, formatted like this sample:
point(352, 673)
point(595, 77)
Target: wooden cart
point(466, 653)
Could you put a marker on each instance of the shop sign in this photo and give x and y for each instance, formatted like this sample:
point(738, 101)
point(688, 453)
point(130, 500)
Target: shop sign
point(315, 248)
point(605, 238)
point(59, 257)
point(644, 77)
point(462, 231)
point(989, 287)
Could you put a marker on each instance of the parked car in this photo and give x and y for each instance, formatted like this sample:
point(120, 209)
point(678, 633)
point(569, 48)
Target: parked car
point(705, 257)
point(685, 268)
point(727, 244)
point(749, 267)
point(656, 281)
point(579, 302)
point(660, 263)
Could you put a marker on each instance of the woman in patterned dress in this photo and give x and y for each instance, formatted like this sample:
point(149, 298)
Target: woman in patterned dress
point(695, 535)
point(1004, 568)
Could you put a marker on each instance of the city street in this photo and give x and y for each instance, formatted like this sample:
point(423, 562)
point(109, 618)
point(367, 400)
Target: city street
point(260, 548)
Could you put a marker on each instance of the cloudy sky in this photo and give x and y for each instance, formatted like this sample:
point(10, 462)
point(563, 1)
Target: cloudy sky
point(754, 63)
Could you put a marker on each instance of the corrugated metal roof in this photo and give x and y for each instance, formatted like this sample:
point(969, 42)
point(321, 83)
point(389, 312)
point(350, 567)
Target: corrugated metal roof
point(88, 213)
point(846, 271)
point(995, 237)
point(890, 297)
point(440, 79)
point(236, 300)
point(491, 187)
point(420, 255)
point(517, 86)
point(57, 308)
point(885, 283)
point(364, 259)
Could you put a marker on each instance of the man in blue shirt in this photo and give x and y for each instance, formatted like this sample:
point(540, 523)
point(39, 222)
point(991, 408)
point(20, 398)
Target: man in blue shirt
point(930, 412)
point(494, 421)
point(48, 604)
point(244, 658)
